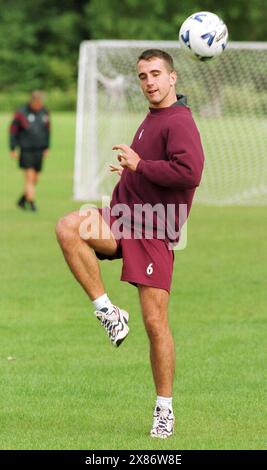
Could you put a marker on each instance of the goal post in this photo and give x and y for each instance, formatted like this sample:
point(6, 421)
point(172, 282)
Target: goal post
point(86, 157)
point(228, 98)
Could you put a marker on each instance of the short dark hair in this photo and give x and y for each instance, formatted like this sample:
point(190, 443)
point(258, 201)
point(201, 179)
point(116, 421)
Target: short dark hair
point(151, 53)
point(37, 95)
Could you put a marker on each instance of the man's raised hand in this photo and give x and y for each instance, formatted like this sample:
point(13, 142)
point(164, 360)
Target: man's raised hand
point(128, 158)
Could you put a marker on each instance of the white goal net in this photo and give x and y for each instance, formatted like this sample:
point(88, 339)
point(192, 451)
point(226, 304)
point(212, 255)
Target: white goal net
point(228, 98)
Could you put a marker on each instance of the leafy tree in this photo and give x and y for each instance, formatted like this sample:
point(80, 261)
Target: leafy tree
point(40, 40)
point(160, 19)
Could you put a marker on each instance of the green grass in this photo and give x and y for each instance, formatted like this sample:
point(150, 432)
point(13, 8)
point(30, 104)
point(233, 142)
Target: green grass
point(66, 385)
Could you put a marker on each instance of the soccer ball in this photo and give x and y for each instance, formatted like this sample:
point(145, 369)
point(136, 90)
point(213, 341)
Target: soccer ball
point(203, 35)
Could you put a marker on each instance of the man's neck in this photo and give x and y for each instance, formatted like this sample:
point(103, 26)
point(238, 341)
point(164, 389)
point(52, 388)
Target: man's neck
point(166, 103)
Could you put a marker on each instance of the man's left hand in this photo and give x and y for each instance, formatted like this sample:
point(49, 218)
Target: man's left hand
point(128, 158)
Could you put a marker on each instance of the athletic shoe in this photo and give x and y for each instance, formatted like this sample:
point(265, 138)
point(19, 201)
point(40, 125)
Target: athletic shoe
point(163, 423)
point(115, 324)
point(21, 202)
point(32, 206)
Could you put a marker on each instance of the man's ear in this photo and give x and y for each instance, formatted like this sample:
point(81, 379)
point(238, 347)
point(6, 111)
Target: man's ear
point(173, 78)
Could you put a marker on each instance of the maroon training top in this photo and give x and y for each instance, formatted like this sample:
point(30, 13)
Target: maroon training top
point(172, 158)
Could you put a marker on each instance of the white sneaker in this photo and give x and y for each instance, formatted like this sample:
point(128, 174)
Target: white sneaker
point(115, 324)
point(163, 423)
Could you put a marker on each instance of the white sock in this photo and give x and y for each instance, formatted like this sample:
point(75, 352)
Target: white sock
point(164, 401)
point(103, 302)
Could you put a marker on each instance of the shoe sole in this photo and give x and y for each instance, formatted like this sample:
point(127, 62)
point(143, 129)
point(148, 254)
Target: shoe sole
point(126, 319)
point(163, 436)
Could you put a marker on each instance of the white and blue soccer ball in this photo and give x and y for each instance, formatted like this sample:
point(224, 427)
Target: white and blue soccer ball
point(203, 35)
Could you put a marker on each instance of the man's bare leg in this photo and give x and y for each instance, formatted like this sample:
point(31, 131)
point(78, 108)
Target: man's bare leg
point(79, 252)
point(78, 236)
point(31, 179)
point(154, 304)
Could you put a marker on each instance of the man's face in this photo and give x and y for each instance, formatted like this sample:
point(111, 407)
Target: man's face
point(157, 81)
point(36, 104)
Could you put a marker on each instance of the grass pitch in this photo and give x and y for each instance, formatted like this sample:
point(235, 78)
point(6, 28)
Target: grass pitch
point(63, 385)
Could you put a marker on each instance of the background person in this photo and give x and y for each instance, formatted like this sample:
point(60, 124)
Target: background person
point(30, 132)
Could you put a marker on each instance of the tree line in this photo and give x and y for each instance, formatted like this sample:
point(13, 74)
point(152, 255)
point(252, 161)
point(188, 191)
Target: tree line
point(40, 39)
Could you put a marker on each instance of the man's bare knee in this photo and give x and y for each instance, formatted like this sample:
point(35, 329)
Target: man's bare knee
point(155, 324)
point(66, 228)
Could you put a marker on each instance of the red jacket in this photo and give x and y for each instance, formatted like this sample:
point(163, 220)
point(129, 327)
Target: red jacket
point(172, 158)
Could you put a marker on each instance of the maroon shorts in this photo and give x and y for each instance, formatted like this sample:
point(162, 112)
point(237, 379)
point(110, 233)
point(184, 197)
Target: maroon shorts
point(145, 262)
